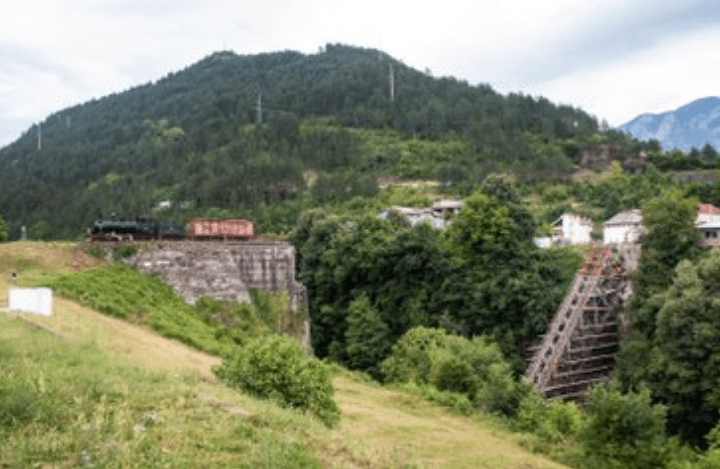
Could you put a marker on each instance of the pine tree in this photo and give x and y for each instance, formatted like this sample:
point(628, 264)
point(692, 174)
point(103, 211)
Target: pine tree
point(366, 337)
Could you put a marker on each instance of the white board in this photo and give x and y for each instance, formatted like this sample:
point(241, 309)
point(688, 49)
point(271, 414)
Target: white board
point(31, 300)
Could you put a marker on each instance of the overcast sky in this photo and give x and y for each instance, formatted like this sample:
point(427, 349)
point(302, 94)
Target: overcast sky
point(613, 58)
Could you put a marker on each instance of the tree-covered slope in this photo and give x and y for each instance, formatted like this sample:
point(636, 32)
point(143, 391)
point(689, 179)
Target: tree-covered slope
point(191, 137)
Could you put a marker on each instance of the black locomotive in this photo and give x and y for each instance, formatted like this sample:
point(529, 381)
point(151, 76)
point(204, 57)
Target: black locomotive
point(117, 228)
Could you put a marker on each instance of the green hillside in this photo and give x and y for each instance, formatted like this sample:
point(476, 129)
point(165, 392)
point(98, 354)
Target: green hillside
point(329, 130)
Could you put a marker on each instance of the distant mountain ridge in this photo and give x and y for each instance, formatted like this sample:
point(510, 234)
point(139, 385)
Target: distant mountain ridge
point(692, 125)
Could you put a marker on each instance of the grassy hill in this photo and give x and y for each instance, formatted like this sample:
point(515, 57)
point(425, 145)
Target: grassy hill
point(102, 391)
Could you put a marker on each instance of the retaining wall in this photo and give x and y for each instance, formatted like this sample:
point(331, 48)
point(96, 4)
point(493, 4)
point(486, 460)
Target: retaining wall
point(229, 270)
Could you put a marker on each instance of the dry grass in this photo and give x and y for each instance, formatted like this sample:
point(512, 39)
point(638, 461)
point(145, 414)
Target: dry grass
point(73, 320)
point(390, 422)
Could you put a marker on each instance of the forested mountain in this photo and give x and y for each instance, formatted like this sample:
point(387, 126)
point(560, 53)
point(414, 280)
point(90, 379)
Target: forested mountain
point(192, 137)
point(691, 126)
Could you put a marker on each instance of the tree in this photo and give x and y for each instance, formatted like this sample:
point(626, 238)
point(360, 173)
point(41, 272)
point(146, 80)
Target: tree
point(709, 154)
point(366, 336)
point(475, 368)
point(399, 269)
point(624, 430)
point(667, 293)
point(502, 285)
point(688, 365)
point(4, 231)
point(490, 228)
point(670, 236)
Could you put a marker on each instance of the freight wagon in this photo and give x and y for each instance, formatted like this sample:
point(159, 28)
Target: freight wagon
point(201, 229)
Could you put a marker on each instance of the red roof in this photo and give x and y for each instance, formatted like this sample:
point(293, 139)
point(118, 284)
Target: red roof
point(708, 209)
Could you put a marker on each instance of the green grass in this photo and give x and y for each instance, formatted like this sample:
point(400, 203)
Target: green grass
point(122, 292)
point(72, 405)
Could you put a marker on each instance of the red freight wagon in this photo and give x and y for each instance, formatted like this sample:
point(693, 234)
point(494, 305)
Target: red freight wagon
point(221, 229)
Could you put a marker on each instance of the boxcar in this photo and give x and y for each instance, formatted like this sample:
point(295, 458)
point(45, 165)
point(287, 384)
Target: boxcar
point(201, 229)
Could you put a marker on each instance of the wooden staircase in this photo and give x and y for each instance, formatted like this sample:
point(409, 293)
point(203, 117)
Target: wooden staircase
point(580, 346)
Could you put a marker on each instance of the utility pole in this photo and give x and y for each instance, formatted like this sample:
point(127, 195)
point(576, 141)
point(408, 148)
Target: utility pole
point(39, 137)
point(392, 84)
point(258, 119)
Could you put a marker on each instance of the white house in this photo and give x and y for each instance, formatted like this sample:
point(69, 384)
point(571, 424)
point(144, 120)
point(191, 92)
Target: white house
point(572, 229)
point(708, 222)
point(625, 227)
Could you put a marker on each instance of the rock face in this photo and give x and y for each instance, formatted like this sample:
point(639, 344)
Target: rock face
point(224, 270)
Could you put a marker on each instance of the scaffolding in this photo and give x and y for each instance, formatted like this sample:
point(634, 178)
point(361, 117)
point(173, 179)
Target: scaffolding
point(582, 340)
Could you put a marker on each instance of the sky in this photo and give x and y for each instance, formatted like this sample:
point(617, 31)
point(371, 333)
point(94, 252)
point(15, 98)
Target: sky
point(615, 59)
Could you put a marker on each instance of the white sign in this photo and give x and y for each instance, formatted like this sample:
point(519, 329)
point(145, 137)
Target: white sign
point(31, 300)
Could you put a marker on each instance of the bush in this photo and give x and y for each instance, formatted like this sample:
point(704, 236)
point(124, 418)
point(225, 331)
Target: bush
point(278, 368)
point(475, 368)
point(97, 251)
point(456, 401)
point(4, 231)
point(124, 251)
point(237, 321)
point(410, 360)
point(624, 430)
point(551, 421)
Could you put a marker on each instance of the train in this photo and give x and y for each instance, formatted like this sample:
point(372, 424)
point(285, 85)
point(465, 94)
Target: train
point(121, 229)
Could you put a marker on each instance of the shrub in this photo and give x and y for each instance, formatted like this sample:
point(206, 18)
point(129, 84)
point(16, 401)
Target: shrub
point(624, 430)
point(237, 321)
point(475, 368)
point(4, 231)
point(124, 251)
point(551, 421)
point(410, 358)
point(456, 401)
point(278, 368)
point(97, 251)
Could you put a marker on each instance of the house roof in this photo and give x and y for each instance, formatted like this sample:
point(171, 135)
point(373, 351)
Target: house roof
point(628, 217)
point(410, 211)
point(708, 209)
point(447, 204)
point(580, 220)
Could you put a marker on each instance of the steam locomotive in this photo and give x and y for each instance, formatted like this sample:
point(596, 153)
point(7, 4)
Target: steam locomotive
point(121, 229)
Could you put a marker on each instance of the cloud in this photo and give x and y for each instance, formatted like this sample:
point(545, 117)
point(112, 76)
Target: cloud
point(58, 53)
point(675, 72)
